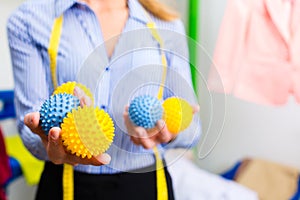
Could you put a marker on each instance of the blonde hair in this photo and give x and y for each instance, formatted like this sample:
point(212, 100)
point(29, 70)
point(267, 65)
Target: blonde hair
point(159, 10)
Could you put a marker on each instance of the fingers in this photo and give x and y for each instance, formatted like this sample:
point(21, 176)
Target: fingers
point(32, 120)
point(126, 116)
point(126, 108)
point(103, 159)
point(126, 119)
point(147, 143)
point(164, 135)
point(83, 98)
point(55, 149)
point(58, 155)
point(143, 138)
point(196, 108)
point(139, 135)
point(99, 160)
point(53, 136)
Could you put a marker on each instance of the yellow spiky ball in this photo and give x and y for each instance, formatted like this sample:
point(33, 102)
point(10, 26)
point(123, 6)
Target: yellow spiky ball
point(69, 87)
point(87, 131)
point(178, 114)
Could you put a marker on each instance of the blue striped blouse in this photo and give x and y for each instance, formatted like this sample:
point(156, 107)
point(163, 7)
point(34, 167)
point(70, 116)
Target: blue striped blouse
point(133, 69)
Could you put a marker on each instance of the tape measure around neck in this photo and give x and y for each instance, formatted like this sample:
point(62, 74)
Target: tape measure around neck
point(68, 175)
point(161, 182)
point(53, 48)
point(152, 27)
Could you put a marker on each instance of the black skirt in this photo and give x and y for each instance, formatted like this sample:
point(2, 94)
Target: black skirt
point(132, 186)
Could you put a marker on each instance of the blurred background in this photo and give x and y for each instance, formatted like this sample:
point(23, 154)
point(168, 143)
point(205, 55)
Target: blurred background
point(247, 130)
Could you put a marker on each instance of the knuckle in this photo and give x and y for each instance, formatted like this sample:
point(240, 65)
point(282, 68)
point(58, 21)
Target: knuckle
point(57, 161)
point(164, 137)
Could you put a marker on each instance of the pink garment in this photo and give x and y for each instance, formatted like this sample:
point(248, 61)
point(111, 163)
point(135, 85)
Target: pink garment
point(257, 55)
point(5, 171)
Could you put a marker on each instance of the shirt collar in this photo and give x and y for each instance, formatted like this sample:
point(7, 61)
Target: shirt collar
point(62, 5)
point(136, 10)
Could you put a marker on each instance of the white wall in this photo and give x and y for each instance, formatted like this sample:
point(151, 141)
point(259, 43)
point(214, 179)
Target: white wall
point(249, 130)
point(6, 78)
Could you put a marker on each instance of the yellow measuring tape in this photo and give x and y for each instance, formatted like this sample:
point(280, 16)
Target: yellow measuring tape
point(161, 182)
point(68, 175)
point(53, 47)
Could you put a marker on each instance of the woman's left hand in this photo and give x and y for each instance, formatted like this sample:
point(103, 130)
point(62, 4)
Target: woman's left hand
point(150, 138)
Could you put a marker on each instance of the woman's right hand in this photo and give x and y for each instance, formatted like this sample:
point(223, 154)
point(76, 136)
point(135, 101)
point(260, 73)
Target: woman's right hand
point(54, 147)
point(53, 143)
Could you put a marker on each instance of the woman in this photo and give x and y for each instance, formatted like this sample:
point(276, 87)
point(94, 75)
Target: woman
point(86, 25)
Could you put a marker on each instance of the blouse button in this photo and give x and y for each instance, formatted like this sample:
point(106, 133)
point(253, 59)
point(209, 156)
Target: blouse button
point(103, 107)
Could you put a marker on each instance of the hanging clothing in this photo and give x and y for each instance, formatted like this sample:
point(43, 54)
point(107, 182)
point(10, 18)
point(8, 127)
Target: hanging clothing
point(257, 52)
point(5, 172)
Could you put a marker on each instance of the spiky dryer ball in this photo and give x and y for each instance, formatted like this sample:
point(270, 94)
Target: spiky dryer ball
point(69, 87)
point(87, 132)
point(145, 111)
point(178, 114)
point(55, 109)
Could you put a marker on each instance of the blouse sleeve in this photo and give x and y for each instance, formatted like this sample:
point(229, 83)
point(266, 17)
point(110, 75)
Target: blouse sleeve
point(29, 79)
point(179, 83)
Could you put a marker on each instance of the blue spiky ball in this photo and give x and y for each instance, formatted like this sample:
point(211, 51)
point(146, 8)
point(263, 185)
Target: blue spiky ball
point(145, 111)
point(55, 109)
